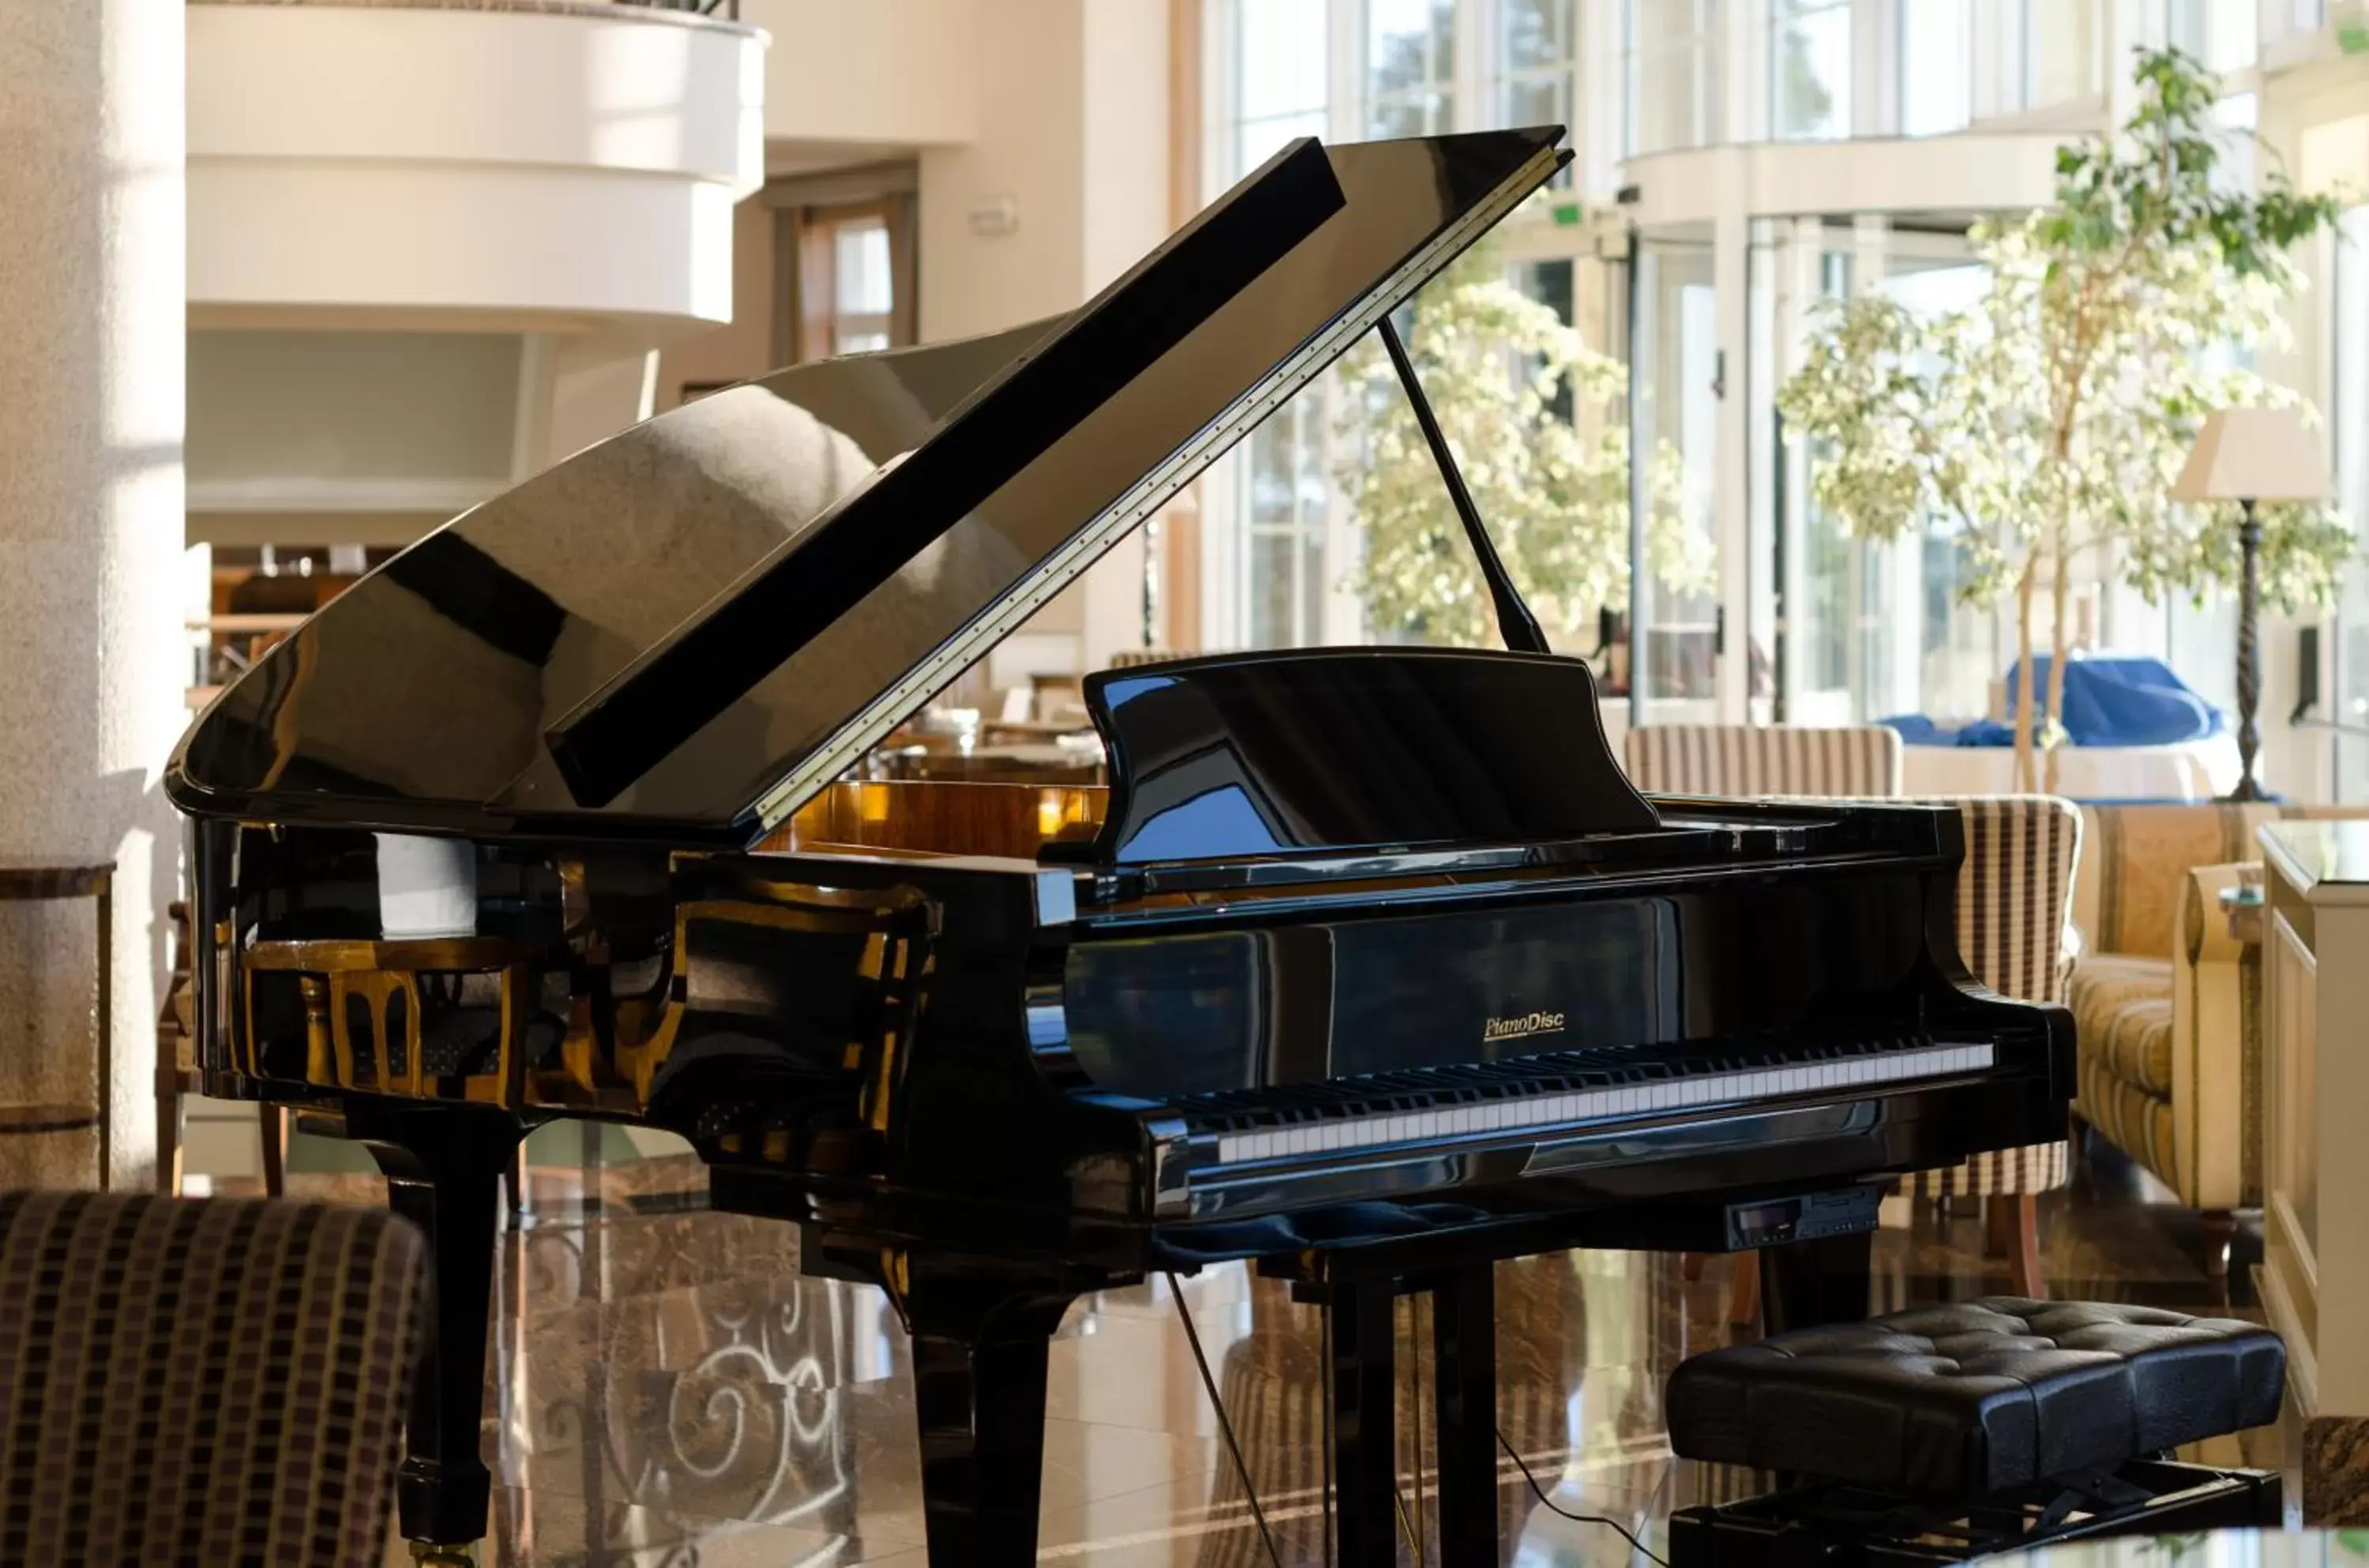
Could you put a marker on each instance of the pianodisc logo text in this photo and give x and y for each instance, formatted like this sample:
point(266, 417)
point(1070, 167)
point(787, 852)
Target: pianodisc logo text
point(1522, 1024)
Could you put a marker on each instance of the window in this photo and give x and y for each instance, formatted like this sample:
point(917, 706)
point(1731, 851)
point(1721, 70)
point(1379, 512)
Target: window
point(843, 261)
point(2219, 32)
point(1290, 502)
point(2060, 53)
point(1537, 46)
point(860, 287)
point(1810, 69)
point(1672, 74)
point(2347, 356)
point(1279, 69)
point(1936, 56)
point(1410, 67)
point(1278, 540)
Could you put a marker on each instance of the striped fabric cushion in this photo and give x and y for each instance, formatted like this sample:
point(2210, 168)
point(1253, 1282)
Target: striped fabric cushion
point(202, 1383)
point(2015, 892)
point(2034, 1167)
point(1748, 760)
point(2122, 1004)
point(2015, 898)
point(2134, 1120)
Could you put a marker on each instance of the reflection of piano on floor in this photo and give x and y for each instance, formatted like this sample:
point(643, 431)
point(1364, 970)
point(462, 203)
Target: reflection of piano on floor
point(1369, 963)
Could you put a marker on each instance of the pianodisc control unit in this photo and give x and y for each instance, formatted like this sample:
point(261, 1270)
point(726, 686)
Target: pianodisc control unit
point(1367, 964)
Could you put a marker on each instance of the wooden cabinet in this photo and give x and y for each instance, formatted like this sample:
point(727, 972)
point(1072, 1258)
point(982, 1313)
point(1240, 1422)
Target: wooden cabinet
point(2316, 1145)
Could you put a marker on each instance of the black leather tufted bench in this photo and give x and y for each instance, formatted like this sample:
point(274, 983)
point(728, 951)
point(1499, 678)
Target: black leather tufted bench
point(1972, 1398)
point(2020, 1421)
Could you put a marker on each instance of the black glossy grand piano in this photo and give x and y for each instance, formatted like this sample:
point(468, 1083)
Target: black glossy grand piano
point(1367, 964)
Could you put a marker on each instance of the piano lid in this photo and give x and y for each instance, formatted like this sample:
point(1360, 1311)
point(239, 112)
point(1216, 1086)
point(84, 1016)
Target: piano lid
point(687, 629)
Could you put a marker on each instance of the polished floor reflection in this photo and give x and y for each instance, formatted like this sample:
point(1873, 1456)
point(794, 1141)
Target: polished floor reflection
point(668, 1390)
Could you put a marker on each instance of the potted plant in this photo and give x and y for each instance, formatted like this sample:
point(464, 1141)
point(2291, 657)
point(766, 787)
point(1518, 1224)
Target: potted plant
point(2048, 420)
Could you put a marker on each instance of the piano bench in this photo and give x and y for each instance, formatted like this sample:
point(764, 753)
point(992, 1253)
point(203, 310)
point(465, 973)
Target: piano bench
point(1999, 1423)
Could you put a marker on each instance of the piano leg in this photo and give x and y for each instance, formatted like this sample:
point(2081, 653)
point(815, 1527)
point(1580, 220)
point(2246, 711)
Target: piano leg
point(1464, 1355)
point(1365, 1455)
point(443, 1168)
point(979, 1396)
point(1808, 1285)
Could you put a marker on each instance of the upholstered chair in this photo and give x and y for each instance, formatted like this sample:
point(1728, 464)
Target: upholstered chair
point(1759, 759)
point(2015, 902)
point(2015, 907)
point(2169, 999)
point(202, 1382)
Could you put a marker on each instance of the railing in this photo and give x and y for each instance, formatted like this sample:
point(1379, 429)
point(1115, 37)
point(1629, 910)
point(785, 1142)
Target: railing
point(729, 10)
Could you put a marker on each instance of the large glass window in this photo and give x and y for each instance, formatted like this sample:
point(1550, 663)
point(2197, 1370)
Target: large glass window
point(2349, 424)
point(1810, 69)
point(2059, 48)
point(1936, 66)
point(1410, 66)
point(1277, 543)
point(1279, 78)
point(1671, 70)
point(2222, 33)
point(1861, 630)
point(1537, 48)
point(1675, 641)
point(1288, 508)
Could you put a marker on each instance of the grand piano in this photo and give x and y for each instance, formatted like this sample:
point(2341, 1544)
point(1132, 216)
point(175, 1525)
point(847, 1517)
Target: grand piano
point(1367, 964)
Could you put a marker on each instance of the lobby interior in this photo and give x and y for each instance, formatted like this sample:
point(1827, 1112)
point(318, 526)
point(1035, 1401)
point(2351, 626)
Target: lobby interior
point(1731, 373)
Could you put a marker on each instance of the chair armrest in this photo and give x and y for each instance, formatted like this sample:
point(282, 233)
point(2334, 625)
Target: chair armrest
point(2209, 1034)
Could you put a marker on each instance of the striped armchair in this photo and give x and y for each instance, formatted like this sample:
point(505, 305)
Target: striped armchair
point(2015, 908)
point(2015, 903)
point(1751, 759)
point(203, 1381)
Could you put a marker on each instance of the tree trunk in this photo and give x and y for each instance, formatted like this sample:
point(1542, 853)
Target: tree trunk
point(2029, 698)
point(2062, 645)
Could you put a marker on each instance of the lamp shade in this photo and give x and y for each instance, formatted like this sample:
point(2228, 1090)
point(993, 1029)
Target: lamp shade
point(2254, 454)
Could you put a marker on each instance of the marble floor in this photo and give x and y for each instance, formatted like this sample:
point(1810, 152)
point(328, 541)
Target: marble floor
point(668, 1390)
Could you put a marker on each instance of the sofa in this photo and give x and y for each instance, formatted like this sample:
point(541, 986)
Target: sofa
point(2166, 1000)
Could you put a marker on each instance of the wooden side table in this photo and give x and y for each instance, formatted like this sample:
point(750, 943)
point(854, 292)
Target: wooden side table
point(28, 882)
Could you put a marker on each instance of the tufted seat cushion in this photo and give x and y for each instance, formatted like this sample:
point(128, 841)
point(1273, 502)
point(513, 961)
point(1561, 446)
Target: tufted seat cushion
point(1971, 1399)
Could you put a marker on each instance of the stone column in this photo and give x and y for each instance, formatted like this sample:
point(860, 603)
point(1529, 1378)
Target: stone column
point(91, 654)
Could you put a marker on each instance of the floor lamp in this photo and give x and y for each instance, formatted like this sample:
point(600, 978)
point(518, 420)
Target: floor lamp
point(2250, 456)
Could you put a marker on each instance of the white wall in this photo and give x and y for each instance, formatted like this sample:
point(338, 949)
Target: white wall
point(1072, 124)
point(1028, 76)
point(890, 72)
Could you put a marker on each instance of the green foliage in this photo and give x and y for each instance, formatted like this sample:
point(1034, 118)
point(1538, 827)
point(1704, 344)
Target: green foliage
point(1539, 424)
point(2053, 415)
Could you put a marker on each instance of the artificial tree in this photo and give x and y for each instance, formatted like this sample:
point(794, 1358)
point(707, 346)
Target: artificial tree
point(2050, 417)
point(1539, 424)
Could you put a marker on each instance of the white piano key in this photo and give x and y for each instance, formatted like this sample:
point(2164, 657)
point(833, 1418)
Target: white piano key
point(1517, 1114)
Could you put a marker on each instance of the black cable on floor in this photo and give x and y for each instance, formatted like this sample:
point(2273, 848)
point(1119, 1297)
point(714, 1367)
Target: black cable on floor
point(1225, 1426)
point(1553, 1506)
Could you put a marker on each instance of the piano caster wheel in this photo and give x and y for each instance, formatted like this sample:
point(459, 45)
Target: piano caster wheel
point(430, 1554)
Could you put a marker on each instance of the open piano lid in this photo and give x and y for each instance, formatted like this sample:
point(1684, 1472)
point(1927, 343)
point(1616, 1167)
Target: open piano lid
point(685, 631)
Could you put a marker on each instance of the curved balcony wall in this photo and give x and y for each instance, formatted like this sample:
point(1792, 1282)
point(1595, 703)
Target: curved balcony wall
point(1968, 173)
point(496, 164)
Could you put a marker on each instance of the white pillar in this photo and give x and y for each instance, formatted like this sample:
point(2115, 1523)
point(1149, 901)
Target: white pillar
point(91, 527)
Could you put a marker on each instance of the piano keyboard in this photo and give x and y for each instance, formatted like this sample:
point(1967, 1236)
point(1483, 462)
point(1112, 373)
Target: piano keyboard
point(1850, 1069)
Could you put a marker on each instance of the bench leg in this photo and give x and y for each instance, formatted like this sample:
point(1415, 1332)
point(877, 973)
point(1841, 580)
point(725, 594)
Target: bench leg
point(170, 1130)
point(2220, 1226)
point(2013, 1221)
point(273, 1122)
point(1744, 1301)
